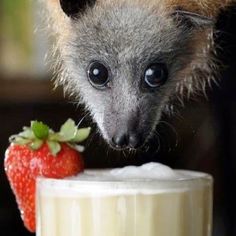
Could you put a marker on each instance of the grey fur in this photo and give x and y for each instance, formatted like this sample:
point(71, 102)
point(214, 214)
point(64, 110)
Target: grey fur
point(127, 39)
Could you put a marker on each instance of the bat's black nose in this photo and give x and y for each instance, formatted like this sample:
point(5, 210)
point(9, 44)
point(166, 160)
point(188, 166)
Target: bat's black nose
point(126, 140)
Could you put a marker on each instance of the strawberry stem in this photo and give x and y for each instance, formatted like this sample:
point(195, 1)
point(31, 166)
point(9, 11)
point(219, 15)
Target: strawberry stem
point(39, 129)
point(38, 133)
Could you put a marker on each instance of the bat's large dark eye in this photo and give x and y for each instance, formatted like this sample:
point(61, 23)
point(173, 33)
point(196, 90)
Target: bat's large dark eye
point(156, 75)
point(98, 74)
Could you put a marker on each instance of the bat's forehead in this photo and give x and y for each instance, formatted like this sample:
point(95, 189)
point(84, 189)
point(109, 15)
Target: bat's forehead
point(124, 31)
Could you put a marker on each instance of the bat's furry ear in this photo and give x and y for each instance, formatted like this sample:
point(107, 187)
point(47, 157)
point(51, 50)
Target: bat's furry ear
point(193, 20)
point(73, 7)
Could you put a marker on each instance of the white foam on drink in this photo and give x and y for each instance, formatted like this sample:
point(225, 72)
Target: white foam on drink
point(147, 171)
point(150, 171)
point(148, 178)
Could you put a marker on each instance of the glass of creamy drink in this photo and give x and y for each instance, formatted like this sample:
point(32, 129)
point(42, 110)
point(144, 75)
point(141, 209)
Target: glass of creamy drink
point(150, 200)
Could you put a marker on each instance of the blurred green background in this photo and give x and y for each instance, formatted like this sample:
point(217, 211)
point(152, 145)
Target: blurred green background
point(201, 136)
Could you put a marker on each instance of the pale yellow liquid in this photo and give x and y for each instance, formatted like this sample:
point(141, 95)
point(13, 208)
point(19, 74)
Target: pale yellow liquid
point(162, 208)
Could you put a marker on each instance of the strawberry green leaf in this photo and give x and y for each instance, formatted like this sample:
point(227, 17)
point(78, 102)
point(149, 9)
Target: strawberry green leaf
point(55, 137)
point(19, 140)
point(54, 147)
point(81, 135)
point(36, 144)
point(39, 129)
point(27, 133)
point(79, 148)
point(68, 131)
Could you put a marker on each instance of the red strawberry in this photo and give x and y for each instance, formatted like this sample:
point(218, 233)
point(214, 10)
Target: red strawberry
point(38, 151)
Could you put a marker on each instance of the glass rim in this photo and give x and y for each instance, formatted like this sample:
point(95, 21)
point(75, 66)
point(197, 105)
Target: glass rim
point(194, 181)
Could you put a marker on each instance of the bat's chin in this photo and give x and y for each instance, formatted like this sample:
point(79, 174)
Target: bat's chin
point(124, 148)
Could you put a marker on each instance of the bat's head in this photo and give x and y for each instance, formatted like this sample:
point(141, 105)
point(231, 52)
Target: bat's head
point(127, 59)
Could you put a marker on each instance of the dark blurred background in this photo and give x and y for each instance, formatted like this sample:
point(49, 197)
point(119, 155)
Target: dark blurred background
point(201, 136)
